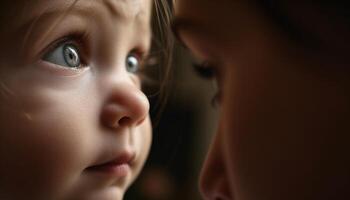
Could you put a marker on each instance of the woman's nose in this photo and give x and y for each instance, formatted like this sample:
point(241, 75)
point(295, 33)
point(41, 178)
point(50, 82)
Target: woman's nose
point(126, 105)
point(214, 183)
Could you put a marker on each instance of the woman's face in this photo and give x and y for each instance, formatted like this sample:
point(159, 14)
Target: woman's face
point(74, 122)
point(284, 101)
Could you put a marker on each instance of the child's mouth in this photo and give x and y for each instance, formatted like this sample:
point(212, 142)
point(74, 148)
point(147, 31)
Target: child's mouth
point(119, 167)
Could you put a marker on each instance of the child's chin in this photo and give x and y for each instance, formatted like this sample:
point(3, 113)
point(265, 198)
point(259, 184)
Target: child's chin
point(112, 193)
point(101, 185)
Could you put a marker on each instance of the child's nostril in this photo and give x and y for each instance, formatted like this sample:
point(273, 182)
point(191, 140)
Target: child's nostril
point(125, 121)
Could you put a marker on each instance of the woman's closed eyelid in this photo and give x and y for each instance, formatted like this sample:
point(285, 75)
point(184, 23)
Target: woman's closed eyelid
point(204, 70)
point(209, 71)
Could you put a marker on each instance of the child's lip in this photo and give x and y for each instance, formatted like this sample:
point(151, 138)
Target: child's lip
point(118, 166)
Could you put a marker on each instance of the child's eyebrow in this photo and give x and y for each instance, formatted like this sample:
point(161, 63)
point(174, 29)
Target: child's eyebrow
point(50, 14)
point(43, 20)
point(117, 8)
point(123, 8)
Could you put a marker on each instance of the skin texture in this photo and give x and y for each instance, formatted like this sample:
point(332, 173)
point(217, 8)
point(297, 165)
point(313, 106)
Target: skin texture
point(56, 121)
point(284, 124)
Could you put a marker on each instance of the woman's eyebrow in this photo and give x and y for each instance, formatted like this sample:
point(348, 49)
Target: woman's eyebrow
point(180, 24)
point(191, 27)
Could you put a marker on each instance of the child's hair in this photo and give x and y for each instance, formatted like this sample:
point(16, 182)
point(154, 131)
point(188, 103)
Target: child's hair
point(164, 42)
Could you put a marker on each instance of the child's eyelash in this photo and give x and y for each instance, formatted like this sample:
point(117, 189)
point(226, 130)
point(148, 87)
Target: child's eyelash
point(77, 39)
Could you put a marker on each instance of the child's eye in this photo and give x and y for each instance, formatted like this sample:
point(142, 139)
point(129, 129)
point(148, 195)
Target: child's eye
point(66, 55)
point(132, 63)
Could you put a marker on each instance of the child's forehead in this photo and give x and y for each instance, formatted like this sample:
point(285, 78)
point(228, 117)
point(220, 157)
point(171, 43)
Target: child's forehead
point(27, 8)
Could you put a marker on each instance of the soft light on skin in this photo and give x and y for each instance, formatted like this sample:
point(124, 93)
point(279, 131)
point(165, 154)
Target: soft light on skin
point(56, 122)
point(284, 126)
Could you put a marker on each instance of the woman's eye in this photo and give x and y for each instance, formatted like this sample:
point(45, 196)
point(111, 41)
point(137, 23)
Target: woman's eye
point(204, 70)
point(208, 71)
point(66, 55)
point(132, 63)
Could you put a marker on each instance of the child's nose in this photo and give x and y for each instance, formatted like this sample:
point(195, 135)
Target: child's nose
point(126, 106)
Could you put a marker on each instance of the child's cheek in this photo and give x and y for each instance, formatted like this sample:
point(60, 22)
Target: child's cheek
point(45, 139)
point(143, 140)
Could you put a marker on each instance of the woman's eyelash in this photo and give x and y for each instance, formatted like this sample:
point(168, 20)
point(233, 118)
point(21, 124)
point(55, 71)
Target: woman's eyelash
point(207, 71)
point(204, 70)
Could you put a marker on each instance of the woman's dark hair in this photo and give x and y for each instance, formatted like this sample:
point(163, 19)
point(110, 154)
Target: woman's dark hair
point(277, 11)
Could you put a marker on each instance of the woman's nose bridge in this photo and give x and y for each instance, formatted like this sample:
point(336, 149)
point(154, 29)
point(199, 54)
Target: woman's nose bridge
point(213, 180)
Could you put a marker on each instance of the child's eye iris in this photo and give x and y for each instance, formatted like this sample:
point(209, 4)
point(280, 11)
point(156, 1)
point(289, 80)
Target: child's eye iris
point(132, 64)
point(71, 56)
point(66, 55)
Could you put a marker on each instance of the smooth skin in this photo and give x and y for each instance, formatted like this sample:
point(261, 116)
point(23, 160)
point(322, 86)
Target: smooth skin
point(57, 121)
point(284, 110)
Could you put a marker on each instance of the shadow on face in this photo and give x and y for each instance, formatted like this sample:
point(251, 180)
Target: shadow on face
point(282, 69)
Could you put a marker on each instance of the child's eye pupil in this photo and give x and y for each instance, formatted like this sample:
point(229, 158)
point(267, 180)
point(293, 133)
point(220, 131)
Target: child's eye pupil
point(132, 64)
point(71, 56)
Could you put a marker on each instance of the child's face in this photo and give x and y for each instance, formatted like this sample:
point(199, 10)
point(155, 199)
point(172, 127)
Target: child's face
point(74, 122)
point(284, 122)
